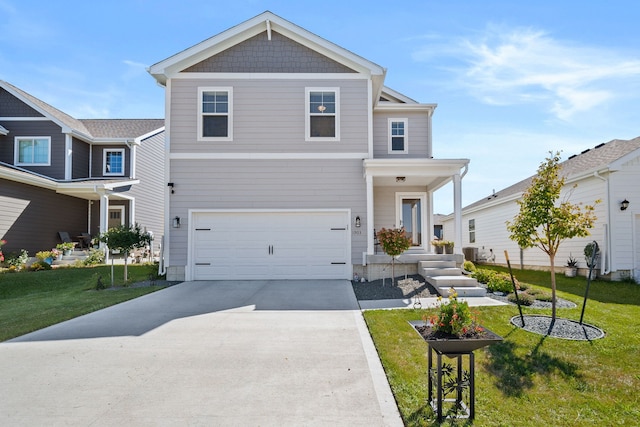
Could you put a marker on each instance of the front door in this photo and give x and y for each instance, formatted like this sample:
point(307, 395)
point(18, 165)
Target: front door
point(116, 216)
point(410, 215)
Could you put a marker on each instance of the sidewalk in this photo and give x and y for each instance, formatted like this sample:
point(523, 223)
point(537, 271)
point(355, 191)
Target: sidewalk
point(423, 303)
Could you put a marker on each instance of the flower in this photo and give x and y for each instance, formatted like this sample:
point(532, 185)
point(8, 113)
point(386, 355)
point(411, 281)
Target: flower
point(453, 318)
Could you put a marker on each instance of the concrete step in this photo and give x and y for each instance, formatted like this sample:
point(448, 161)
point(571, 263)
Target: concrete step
point(440, 271)
point(437, 264)
point(449, 281)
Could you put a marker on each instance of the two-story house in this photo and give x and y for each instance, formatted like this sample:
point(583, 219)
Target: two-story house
point(58, 173)
point(285, 152)
point(608, 172)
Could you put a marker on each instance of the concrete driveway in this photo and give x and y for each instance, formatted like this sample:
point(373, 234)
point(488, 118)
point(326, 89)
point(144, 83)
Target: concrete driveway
point(267, 353)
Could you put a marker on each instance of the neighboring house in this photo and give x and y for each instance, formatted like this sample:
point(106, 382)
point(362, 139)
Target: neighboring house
point(285, 152)
point(609, 172)
point(58, 173)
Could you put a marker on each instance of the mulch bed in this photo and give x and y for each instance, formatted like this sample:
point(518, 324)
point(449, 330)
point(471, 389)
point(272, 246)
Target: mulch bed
point(402, 289)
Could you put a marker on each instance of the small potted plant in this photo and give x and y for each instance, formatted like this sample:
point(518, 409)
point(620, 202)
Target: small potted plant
point(439, 245)
point(66, 247)
point(571, 269)
point(448, 247)
point(591, 256)
point(45, 256)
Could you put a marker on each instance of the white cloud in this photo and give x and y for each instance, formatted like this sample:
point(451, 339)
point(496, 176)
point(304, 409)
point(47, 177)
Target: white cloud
point(521, 66)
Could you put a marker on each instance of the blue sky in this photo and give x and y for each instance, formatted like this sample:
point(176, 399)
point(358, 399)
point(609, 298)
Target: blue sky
point(512, 80)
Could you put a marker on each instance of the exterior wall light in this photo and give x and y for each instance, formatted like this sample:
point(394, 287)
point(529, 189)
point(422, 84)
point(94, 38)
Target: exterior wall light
point(624, 205)
point(358, 222)
point(176, 222)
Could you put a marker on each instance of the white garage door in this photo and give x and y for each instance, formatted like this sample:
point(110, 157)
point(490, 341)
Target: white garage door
point(270, 245)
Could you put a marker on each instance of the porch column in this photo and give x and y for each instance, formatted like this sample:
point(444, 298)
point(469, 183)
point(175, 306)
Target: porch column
point(104, 218)
point(370, 218)
point(428, 232)
point(457, 211)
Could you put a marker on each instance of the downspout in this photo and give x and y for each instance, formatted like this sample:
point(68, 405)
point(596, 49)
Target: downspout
point(607, 236)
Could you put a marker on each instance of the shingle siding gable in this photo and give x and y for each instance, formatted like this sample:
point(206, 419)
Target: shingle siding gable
point(10, 106)
point(261, 55)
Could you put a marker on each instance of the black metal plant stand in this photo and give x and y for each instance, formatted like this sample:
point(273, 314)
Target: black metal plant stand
point(463, 379)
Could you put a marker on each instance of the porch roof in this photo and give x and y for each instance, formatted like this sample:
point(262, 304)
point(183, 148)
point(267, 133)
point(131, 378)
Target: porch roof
point(431, 173)
point(89, 189)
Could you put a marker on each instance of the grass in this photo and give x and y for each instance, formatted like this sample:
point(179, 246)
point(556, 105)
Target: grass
point(33, 300)
point(529, 379)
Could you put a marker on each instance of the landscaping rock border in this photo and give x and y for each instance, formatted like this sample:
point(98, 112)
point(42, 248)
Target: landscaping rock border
point(561, 328)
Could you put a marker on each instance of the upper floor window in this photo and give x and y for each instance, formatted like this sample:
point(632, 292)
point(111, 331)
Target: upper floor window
point(113, 161)
point(215, 120)
point(323, 114)
point(33, 151)
point(398, 136)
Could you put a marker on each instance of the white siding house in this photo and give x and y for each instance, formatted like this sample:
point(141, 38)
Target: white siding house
point(284, 152)
point(610, 173)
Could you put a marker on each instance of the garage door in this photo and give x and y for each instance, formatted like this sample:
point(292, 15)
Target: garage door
point(270, 245)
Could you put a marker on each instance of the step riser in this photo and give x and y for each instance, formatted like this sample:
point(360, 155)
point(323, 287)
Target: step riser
point(434, 272)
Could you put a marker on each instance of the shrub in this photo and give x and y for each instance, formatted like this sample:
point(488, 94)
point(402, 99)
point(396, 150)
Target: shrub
point(39, 266)
point(17, 260)
point(469, 266)
point(525, 298)
point(544, 296)
point(483, 275)
point(523, 286)
point(96, 256)
point(500, 282)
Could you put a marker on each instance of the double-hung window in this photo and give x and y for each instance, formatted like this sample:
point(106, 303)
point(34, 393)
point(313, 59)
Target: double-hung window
point(472, 231)
point(215, 114)
point(113, 162)
point(398, 136)
point(323, 114)
point(33, 151)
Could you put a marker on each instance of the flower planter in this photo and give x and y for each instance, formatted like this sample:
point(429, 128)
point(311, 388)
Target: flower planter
point(455, 345)
point(570, 271)
point(446, 385)
point(448, 249)
point(439, 249)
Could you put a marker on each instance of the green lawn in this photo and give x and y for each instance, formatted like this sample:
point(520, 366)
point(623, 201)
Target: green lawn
point(529, 379)
point(33, 300)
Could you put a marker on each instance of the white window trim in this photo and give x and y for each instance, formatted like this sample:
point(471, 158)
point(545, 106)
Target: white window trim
point(229, 136)
point(16, 151)
point(307, 114)
point(406, 133)
point(104, 161)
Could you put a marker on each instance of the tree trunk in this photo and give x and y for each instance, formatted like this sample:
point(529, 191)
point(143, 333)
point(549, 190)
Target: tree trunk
point(553, 287)
point(126, 257)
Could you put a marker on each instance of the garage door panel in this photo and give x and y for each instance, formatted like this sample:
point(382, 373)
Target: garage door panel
point(259, 245)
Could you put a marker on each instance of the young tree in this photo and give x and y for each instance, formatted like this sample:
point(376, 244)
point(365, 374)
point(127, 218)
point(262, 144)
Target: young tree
point(124, 239)
point(544, 222)
point(394, 242)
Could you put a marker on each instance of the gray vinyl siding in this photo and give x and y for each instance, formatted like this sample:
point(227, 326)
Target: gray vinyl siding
point(10, 106)
point(30, 217)
point(39, 129)
point(149, 194)
point(98, 155)
point(265, 184)
point(261, 55)
point(269, 117)
point(80, 159)
point(384, 204)
point(417, 135)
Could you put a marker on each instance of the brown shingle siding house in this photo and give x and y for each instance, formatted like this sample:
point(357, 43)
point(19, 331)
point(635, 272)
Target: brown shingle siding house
point(59, 173)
